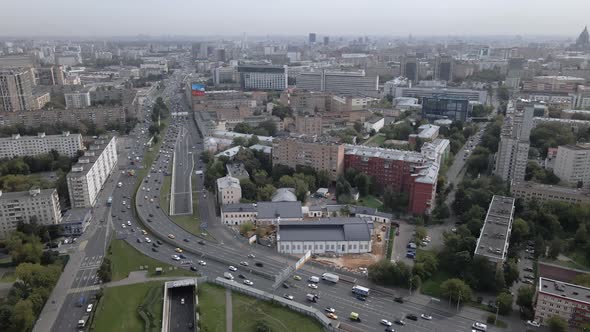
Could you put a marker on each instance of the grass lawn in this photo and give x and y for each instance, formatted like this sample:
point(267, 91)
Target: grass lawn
point(581, 260)
point(390, 242)
point(165, 194)
point(376, 140)
point(9, 276)
point(125, 259)
point(431, 287)
point(212, 308)
point(117, 309)
point(248, 310)
point(370, 201)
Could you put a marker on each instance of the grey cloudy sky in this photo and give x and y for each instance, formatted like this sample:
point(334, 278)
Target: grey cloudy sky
point(288, 17)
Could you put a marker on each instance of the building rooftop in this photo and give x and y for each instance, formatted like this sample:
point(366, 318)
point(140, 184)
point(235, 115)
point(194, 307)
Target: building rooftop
point(263, 148)
point(493, 239)
point(578, 147)
point(550, 188)
point(285, 210)
point(39, 136)
point(284, 195)
point(326, 229)
point(391, 154)
point(76, 215)
point(26, 194)
point(238, 207)
point(564, 290)
point(427, 131)
point(228, 182)
point(84, 164)
point(230, 153)
point(237, 170)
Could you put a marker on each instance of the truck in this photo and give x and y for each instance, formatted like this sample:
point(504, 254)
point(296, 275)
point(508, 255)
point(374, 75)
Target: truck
point(330, 277)
point(82, 321)
point(355, 316)
point(228, 276)
point(314, 279)
point(360, 290)
point(312, 297)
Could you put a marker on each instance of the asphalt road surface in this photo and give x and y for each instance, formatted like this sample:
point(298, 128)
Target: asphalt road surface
point(183, 166)
point(182, 309)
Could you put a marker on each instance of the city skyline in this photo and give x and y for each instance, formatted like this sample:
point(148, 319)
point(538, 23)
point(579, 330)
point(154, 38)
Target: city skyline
point(233, 18)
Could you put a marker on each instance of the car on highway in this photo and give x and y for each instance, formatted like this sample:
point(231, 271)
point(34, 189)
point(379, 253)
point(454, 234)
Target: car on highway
point(389, 329)
point(202, 263)
point(312, 286)
point(480, 326)
point(288, 297)
point(399, 299)
point(123, 226)
point(178, 250)
point(139, 240)
point(154, 249)
point(297, 278)
point(201, 242)
point(533, 323)
point(400, 322)
point(241, 276)
point(244, 263)
point(412, 317)
point(128, 222)
point(248, 282)
point(425, 316)
point(185, 240)
point(175, 257)
point(232, 268)
point(147, 240)
point(193, 268)
point(331, 315)
point(330, 309)
point(89, 307)
point(385, 322)
point(251, 256)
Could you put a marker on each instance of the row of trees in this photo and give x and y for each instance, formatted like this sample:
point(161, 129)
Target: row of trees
point(265, 128)
point(37, 273)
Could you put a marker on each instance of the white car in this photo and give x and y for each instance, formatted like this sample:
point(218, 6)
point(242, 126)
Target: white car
point(479, 326)
point(147, 240)
point(248, 282)
point(385, 322)
point(330, 310)
point(128, 222)
point(124, 202)
point(533, 323)
point(288, 297)
point(244, 263)
point(123, 225)
point(175, 257)
point(251, 256)
point(312, 286)
point(202, 263)
point(232, 268)
point(89, 308)
point(425, 316)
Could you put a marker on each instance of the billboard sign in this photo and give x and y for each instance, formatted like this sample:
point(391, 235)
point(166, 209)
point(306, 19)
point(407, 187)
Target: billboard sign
point(198, 90)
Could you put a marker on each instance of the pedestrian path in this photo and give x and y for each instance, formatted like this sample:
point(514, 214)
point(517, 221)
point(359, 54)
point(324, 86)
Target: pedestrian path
point(229, 314)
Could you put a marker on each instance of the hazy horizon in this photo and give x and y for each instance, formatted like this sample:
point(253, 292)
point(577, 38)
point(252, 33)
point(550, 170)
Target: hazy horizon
point(186, 18)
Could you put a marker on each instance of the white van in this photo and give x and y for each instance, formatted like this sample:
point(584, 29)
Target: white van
point(480, 326)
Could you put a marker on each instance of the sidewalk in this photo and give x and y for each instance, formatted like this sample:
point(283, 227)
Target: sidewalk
point(229, 314)
point(135, 277)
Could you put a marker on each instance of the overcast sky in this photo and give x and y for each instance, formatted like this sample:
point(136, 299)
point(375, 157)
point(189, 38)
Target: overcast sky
point(288, 17)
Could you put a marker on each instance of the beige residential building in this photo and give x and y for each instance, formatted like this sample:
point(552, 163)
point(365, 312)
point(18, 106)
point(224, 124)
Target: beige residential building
point(99, 116)
point(16, 90)
point(308, 125)
point(572, 164)
point(92, 170)
point(568, 301)
point(237, 214)
point(319, 153)
point(229, 190)
point(65, 144)
point(37, 205)
point(545, 193)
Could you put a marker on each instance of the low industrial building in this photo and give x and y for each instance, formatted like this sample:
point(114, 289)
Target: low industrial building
point(237, 214)
point(75, 221)
point(271, 213)
point(562, 299)
point(494, 238)
point(35, 205)
point(326, 235)
point(545, 193)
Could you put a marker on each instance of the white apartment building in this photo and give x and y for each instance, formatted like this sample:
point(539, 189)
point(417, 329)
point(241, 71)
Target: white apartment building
point(354, 83)
point(88, 176)
point(512, 158)
point(77, 100)
point(41, 206)
point(229, 190)
point(572, 164)
point(263, 77)
point(65, 144)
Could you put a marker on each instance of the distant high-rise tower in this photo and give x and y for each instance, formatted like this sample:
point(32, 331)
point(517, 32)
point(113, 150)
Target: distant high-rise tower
point(326, 40)
point(583, 41)
point(312, 37)
point(443, 68)
point(411, 68)
point(16, 90)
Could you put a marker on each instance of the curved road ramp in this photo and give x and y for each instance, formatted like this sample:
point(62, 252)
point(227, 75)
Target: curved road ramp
point(179, 308)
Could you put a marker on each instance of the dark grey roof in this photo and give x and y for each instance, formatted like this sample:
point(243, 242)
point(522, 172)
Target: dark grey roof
point(238, 207)
point(272, 210)
point(369, 211)
point(326, 229)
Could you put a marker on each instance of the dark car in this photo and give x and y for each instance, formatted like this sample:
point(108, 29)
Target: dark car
point(241, 276)
point(259, 264)
point(528, 269)
point(361, 298)
point(154, 249)
point(182, 256)
point(286, 285)
point(155, 245)
point(201, 242)
point(159, 242)
point(193, 268)
point(399, 322)
point(151, 215)
point(399, 299)
point(149, 220)
point(185, 240)
point(389, 329)
point(412, 317)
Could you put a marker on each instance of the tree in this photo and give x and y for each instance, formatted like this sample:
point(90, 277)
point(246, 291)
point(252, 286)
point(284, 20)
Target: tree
point(520, 231)
point(239, 141)
point(270, 126)
point(456, 289)
point(511, 273)
point(362, 183)
point(504, 302)
point(428, 264)
point(23, 316)
point(253, 140)
point(557, 324)
point(499, 280)
point(265, 193)
point(419, 234)
point(262, 326)
point(581, 234)
point(248, 189)
point(105, 272)
point(243, 128)
point(323, 178)
point(246, 227)
point(524, 298)
point(555, 247)
point(503, 93)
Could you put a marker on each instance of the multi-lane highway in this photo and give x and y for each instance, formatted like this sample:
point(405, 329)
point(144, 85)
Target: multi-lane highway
point(181, 191)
